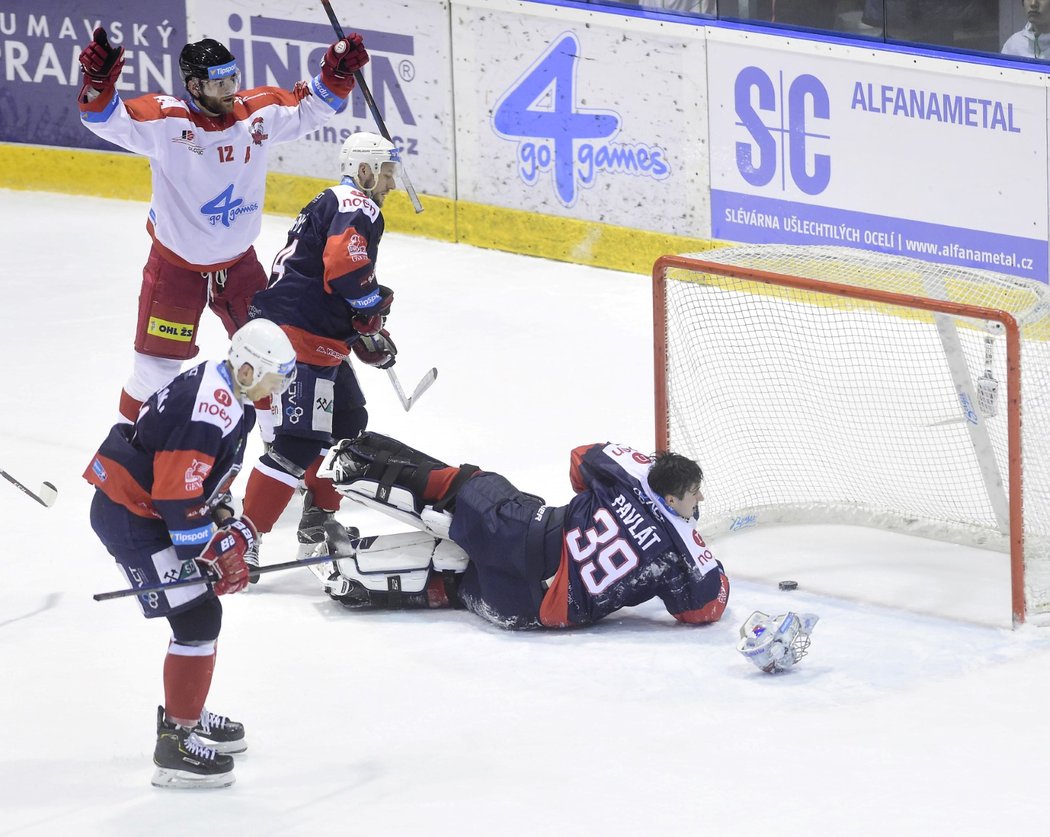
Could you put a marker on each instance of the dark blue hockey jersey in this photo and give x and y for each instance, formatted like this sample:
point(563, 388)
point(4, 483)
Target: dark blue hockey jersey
point(621, 546)
point(180, 457)
point(325, 274)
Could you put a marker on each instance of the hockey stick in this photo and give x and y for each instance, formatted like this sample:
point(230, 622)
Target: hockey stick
point(48, 493)
point(187, 582)
point(376, 115)
point(421, 387)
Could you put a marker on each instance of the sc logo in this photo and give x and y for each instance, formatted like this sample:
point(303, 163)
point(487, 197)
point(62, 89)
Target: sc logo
point(784, 140)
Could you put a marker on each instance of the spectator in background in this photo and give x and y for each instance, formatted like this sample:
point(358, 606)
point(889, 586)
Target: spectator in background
point(1034, 40)
point(709, 8)
point(815, 14)
point(950, 23)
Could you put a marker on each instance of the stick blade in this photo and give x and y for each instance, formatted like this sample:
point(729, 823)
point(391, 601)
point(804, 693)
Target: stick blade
point(424, 384)
point(48, 494)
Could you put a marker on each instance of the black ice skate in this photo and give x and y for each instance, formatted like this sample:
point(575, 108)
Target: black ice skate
point(183, 761)
point(218, 732)
point(311, 526)
point(251, 558)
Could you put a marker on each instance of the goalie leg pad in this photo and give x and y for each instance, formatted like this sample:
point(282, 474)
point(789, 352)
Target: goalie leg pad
point(392, 571)
point(389, 465)
point(388, 462)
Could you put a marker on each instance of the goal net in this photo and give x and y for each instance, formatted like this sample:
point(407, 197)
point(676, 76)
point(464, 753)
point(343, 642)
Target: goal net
point(823, 384)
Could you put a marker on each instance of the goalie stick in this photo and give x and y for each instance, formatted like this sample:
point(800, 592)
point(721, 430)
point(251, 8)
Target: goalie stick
point(421, 387)
point(186, 582)
point(48, 493)
point(376, 115)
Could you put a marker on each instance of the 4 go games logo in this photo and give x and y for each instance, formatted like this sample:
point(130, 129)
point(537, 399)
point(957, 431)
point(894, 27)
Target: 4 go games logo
point(555, 135)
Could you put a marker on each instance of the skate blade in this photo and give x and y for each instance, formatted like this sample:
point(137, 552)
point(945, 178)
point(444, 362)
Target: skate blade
point(166, 777)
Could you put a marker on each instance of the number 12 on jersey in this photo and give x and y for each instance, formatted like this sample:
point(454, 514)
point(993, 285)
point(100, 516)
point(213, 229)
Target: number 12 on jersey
point(602, 553)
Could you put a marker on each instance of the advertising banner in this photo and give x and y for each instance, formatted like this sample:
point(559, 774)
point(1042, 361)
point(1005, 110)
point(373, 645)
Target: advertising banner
point(568, 113)
point(815, 143)
point(40, 42)
point(278, 43)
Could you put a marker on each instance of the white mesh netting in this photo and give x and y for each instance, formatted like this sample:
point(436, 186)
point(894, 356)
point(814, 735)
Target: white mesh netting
point(804, 406)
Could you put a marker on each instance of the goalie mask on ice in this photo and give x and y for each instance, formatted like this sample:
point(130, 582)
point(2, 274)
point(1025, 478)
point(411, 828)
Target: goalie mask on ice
point(776, 643)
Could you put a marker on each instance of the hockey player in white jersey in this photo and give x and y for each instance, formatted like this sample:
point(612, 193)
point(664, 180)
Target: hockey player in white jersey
point(208, 155)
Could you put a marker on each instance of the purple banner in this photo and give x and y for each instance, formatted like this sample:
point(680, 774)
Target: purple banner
point(40, 42)
point(759, 220)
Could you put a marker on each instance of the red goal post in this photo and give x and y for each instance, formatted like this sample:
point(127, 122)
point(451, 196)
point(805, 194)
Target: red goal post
point(824, 384)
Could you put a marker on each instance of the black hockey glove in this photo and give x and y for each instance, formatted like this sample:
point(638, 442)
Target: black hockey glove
point(376, 350)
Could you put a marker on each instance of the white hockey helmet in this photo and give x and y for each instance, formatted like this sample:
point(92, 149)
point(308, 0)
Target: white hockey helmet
point(776, 643)
point(370, 149)
point(266, 349)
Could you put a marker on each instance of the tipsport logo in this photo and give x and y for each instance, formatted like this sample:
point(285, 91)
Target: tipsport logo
point(787, 122)
point(555, 135)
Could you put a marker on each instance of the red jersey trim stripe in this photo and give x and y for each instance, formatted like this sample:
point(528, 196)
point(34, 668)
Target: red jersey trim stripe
point(315, 350)
point(120, 487)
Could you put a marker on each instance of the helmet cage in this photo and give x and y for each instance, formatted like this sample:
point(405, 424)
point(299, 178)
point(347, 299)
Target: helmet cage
point(776, 643)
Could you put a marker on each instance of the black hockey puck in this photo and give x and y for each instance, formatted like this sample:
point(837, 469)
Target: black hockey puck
point(788, 585)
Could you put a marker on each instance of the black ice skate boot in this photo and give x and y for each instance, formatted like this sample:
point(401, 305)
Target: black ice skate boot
point(183, 760)
point(218, 732)
point(251, 558)
point(222, 734)
point(311, 526)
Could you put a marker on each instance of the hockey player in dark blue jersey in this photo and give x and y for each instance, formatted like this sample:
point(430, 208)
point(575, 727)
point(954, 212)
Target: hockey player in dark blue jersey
point(324, 293)
point(628, 535)
point(161, 509)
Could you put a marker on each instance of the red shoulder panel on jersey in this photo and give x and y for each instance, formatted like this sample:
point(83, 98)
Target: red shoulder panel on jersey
point(260, 97)
point(575, 462)
point(344, 254)
point(153, 107)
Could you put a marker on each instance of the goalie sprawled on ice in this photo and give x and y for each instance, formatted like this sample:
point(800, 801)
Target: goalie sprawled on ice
point(628, 535)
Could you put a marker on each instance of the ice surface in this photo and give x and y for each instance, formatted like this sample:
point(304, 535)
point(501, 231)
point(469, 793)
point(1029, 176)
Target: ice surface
point(916, 712)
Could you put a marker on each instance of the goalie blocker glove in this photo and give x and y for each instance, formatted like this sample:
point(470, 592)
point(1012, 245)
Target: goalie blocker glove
point(222, 560)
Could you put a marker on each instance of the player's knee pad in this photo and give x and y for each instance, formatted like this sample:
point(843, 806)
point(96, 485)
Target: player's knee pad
point(199, 624)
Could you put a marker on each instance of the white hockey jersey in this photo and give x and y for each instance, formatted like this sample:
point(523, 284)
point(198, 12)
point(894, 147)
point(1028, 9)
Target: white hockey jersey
point(209, 173)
